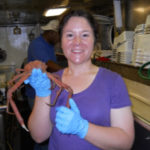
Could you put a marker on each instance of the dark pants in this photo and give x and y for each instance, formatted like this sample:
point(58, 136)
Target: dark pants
point(43, 146)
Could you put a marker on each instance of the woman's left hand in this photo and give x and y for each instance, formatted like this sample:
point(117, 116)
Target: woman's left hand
point(69, 121)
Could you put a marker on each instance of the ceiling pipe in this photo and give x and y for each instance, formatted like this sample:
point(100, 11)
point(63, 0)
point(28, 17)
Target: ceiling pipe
point(118, 15)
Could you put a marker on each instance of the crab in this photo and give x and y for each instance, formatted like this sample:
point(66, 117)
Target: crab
point(21, 76)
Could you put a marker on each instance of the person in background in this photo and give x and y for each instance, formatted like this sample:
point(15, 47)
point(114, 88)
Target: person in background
point(100, 115)
point(42, 48)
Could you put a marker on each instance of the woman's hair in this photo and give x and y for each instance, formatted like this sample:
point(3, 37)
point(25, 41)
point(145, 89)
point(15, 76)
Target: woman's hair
point(79, 12)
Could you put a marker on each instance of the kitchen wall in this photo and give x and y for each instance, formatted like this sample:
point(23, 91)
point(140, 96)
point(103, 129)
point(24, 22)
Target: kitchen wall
point(135, 13)
point(16, 45)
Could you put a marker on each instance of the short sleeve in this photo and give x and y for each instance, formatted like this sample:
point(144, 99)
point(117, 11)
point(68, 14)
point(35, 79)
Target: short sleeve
point(119, 94)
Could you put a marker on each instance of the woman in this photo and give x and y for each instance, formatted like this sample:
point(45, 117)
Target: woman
point(99, 116)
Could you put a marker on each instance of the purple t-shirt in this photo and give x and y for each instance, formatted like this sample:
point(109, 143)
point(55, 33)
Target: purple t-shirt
point(107, 91)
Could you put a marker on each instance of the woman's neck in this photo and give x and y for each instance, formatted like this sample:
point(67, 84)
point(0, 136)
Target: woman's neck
point(76, 70)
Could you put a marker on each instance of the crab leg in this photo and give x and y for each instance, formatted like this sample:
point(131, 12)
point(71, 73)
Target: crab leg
point(13, 105)
point(15, 78)
point(18, 115)
point(61, 85)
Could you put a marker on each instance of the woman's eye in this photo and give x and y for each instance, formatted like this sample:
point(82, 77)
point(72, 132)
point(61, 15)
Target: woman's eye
point(69, 35)
point(85, 35)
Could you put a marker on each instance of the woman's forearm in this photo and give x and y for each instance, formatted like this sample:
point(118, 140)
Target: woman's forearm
point(39, 123)
point(109, 138)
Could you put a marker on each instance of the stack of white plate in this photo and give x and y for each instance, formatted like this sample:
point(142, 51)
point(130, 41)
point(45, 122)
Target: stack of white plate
point(124, 46)
point(141, 49)
point(139, 29)
point(147, 25)
point(124, 57)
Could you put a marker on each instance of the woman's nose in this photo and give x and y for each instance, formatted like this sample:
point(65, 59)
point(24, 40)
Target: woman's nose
point(77, 40)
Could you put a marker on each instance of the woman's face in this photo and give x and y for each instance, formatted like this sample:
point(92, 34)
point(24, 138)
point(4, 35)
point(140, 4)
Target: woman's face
point(77, 40)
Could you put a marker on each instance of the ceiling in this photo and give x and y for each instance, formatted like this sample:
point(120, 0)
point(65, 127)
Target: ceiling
point(28, 12)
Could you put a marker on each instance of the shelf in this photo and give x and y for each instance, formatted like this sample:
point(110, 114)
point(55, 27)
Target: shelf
point(126, 71)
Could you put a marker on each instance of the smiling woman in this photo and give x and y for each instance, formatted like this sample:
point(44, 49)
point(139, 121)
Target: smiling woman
point(99, 110)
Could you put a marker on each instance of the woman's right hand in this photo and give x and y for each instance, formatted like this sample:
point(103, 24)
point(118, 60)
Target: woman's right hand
point(40, 82)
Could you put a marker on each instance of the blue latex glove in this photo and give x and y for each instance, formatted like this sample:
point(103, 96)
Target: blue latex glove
point(40, 82)
point(69, 121)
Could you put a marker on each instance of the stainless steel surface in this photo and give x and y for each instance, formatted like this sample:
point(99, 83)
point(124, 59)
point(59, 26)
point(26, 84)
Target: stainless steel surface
point(31, 11)
point(7, 68)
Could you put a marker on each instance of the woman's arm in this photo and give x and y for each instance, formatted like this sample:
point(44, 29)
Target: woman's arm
point(39, 123)
point(119, 136)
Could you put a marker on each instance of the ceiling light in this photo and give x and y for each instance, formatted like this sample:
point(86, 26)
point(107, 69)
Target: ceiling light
point(54, 12)
point(140, 9)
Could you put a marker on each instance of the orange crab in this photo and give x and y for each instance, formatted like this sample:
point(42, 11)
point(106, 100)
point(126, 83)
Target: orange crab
point(22, 75)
